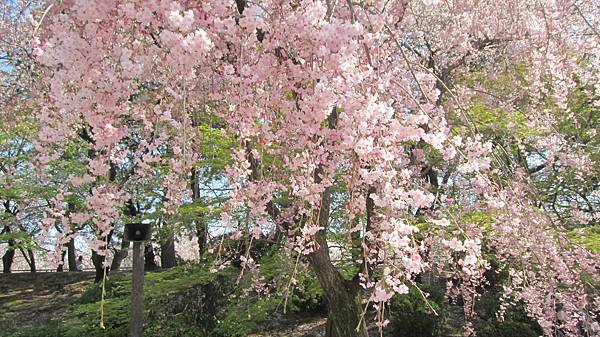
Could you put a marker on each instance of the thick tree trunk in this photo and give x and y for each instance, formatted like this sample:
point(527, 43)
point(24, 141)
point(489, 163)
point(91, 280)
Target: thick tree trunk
point(149, 263)
point(98, 261)
point(201, 233)
point(343, 300)
point(120, 255)
point(168, 258)
point(132, 211)
point(343, 297)
point(61, 266)
point(8, 257)
point(71, 253)
point(71, 256)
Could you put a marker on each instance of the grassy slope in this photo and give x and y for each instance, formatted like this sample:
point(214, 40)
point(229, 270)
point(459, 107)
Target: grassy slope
point(183, 301)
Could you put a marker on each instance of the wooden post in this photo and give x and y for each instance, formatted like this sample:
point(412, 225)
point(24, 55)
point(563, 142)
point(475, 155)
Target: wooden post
point(137, 291)
point(138, 233)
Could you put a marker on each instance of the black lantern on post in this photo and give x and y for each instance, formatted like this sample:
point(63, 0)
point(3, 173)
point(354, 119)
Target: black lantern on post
point(137, 232)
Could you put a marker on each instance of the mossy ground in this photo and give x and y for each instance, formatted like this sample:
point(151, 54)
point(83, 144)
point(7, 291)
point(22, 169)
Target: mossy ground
point(187, 300)
point(190, 300)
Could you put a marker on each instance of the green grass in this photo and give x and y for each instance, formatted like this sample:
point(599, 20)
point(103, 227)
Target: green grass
point(184, 301)
point(187, 300)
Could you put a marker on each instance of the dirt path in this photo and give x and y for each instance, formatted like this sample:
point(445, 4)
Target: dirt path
point(291, 326)
point(35, 298)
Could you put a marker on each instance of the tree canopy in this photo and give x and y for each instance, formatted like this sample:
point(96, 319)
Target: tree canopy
point(420, 136)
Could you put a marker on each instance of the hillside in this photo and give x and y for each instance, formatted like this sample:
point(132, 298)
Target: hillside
point(190, 300)
point(27, 298)
point(183, 301)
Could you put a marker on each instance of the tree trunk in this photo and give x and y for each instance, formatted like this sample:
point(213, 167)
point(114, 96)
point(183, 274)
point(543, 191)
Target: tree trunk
point(61, 266)
point(8, 257)
point(343, 300)
point(167, 252)
point(149, 263)
point(98, 261)
point(31, 260)
point(132, 211)
point(71, 258)
point(120, 255)
point(343, 297)
point(201, 233)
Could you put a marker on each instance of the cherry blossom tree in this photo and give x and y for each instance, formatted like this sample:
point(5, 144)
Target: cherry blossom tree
point(367, 107)
point(22, 201)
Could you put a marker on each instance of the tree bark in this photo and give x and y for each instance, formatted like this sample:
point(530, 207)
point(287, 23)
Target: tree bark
point(149, 263)
point(201, 233)
point(61, 266)
point(71, 256)
point(98, 261)
point(132, 211)
point(8, 257)
point(343, 297)
point(29, 258)
point(167, 252)
point(120, 255)
point(70, 252)
point(31, 255)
